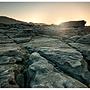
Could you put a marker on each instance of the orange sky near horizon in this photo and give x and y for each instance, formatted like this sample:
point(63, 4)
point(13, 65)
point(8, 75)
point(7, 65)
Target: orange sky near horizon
point(49, 13)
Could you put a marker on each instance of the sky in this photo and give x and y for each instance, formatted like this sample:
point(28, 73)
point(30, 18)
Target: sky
point(46, 12)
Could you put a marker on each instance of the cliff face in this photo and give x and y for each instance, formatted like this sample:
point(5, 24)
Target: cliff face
point(31, 58)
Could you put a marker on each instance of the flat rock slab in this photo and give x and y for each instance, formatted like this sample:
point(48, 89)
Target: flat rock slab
point(22, 39)
point(46, 42)
point(8, 47)
point(4, 39)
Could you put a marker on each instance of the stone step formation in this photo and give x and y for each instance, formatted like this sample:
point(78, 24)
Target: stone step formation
point(43, 61)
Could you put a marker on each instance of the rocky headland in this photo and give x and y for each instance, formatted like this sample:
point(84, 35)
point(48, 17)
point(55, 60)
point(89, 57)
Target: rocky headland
point(44, 56)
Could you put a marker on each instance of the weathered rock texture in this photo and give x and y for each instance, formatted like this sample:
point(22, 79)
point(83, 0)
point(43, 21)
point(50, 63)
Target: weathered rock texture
point(62, 56)
point(41, 74)
point(29, 58)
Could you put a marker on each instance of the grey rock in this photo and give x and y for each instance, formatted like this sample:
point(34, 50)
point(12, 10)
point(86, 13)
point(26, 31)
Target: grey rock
point(83, 48)
point(9, 49)
point(20, 80)
point(62, 56)
point(69, 60)
point(4, 39)
point(84, 40)
point(43, 61)
point(72, 39)
point(39, 41)
point(41, 74)
point(8, 60)
point(7, 76)
point(22, 40)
